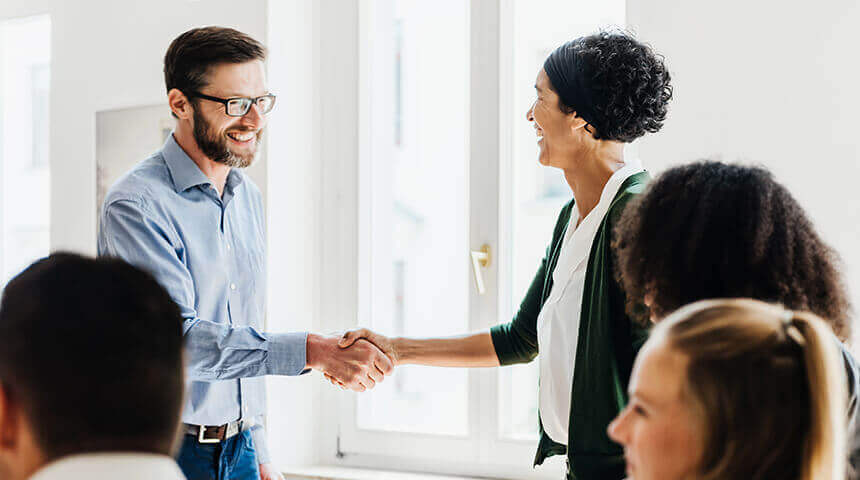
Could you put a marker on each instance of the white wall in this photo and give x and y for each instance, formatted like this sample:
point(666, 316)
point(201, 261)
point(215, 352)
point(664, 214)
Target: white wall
point(294, 225)
point(24, 173)
point(768, 82)
point(108, 54)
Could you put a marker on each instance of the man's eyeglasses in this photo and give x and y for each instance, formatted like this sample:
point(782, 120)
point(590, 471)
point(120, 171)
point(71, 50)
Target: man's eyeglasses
point(239, 106)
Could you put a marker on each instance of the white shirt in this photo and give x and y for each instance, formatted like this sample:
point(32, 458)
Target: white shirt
point(111, 466)
point(558, 321)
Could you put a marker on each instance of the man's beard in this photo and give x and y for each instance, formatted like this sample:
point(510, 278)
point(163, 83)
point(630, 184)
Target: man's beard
point(216, 148)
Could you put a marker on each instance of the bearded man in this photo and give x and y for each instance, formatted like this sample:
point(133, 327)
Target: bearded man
point(192, 218)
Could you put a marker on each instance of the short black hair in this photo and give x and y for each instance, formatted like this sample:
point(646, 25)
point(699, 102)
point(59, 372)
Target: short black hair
point(619, 85)
point(713, 230)
point(190, 56)
point(91, 350)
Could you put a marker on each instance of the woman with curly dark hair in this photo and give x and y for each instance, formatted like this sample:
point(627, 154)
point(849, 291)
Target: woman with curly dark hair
point(594, 95)
point(711, 230)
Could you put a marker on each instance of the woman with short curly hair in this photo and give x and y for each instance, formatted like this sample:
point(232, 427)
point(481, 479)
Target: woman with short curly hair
point(594, 95)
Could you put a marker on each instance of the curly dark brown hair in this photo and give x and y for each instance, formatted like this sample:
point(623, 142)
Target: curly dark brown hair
point(712, 230)
point(619, 85)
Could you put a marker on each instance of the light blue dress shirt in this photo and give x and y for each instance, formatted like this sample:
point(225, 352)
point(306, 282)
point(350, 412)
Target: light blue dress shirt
point(209, 252)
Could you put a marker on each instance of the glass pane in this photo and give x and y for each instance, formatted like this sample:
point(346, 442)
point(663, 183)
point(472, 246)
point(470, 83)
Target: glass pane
point(416, 184)
point(536, 193)
point(25, 57)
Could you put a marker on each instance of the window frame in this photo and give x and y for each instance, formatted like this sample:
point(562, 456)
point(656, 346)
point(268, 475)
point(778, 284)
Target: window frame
point(483, 452)
point(343, 108)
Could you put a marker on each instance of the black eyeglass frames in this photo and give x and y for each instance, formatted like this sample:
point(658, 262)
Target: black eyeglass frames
point(239, 106)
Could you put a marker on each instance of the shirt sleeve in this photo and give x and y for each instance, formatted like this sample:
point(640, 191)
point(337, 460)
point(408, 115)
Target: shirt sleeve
point(215, 350)
point(261, 443)
point(516, 341)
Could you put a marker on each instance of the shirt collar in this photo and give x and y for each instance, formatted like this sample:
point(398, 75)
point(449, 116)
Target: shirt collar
point(98, 466)
point(234, 179)
point(186, 173)
point(631, 167)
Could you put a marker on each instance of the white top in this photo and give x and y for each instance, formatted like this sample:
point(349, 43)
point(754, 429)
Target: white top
point(111, 466)
point(558, 321)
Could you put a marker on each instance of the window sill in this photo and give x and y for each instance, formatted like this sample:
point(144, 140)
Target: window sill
point(343, 473)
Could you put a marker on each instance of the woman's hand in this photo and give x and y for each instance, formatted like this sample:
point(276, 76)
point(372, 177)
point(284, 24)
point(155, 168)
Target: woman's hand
point(472, 350)
point(359, 367)
point(269, 472)
point(386, 344)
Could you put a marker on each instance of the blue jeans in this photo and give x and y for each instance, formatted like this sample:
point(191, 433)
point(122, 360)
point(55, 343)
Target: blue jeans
point(232, 459)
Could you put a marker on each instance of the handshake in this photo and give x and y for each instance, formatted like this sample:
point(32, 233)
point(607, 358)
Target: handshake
point(357, 360)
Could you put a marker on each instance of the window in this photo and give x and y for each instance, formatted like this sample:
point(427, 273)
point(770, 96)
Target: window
point(25, 56)
point(532, 195)
point(448, 164)
point(418, 78)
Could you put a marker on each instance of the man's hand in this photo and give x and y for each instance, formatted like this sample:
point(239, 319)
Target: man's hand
point(269, 472)
point(382, 342)
point(358, 368)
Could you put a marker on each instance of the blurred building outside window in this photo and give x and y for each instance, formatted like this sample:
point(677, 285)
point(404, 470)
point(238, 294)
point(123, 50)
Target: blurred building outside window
point(25, 59)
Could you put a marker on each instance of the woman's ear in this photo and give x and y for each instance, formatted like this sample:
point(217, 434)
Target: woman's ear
point(575, 123)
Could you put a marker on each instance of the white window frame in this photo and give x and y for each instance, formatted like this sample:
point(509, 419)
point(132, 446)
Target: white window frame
point(344, 108)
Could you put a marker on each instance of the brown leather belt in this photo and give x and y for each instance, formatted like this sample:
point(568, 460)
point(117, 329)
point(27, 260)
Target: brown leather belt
point(217, 433)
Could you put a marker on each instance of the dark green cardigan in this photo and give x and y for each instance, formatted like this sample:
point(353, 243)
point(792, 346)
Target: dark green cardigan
point(608, 343)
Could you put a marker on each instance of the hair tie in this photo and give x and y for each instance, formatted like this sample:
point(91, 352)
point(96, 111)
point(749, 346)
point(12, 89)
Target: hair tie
point(787, 318)
point(791, 331)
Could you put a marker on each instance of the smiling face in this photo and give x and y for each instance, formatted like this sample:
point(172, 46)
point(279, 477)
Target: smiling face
point(559, 134)
point(232, 141)
point(659, 431)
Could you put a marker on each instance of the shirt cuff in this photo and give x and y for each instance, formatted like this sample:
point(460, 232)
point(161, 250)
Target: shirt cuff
point(287, 353)
point(261, 444)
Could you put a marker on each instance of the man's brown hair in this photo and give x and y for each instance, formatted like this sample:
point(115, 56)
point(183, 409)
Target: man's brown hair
point(192, 54)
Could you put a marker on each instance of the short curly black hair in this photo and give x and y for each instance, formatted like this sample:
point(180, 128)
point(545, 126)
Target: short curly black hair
point(623, 85)
point(711, 230)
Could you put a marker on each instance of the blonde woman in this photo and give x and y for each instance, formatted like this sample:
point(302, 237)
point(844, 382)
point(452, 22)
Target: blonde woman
point(736, 389)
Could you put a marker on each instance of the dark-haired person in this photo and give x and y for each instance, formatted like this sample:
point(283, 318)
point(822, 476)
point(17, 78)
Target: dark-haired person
point(729, 231)
point(594, 94)
point(191, 217)
point(91, 369)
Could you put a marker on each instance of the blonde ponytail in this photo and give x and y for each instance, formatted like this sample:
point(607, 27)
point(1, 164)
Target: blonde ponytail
point(769, 388)
point(825, 448)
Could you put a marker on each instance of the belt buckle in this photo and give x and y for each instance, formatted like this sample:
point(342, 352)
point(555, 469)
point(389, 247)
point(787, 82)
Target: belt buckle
point(201, 439)
point(232, 429)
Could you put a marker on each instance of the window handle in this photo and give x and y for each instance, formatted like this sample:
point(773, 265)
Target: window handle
point(480, 259)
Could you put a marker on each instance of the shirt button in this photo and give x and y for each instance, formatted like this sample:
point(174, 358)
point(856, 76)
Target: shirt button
point(228, 246)
point(232, 286)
